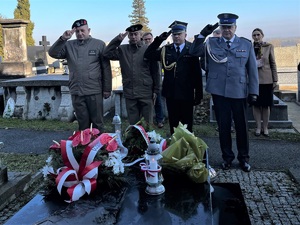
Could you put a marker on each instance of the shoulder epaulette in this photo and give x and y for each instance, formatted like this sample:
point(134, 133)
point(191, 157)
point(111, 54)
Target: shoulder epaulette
point(245, 38)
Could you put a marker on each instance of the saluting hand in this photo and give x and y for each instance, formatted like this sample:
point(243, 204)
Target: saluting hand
point(68, 34)
point(164, 35)
point(123, 35)
point(208, 29)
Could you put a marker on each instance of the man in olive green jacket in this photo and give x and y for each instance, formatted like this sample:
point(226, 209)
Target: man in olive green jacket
point(140, 77)
point(90, 73)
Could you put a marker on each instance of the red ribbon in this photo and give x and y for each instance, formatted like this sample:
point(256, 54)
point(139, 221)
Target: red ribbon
point(82, 178)
point(147, 171)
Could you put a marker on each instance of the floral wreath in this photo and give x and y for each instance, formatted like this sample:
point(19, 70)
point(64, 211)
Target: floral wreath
point(81, 156)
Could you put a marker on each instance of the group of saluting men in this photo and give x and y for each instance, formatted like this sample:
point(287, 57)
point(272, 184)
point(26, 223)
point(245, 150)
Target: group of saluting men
point(232, 77)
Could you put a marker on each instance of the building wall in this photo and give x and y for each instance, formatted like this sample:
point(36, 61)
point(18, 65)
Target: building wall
point(287, 59)
point(287, 56)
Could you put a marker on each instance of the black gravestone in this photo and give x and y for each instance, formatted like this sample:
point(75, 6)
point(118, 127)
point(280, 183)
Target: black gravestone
point(183, 202)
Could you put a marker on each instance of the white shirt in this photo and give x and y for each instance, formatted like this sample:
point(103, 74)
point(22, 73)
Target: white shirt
point(180, 46)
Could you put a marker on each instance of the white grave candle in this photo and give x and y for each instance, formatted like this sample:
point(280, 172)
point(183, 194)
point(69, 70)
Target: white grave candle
point(153, 166)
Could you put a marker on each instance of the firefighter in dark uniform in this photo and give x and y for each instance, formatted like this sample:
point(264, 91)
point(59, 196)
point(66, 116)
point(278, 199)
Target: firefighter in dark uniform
point(182, 84)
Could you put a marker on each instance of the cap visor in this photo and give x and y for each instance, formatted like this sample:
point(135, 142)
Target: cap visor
point(177, 32)
point(226, 24)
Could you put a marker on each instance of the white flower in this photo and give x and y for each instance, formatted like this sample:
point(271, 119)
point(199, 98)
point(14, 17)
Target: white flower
point(114, 160)
point(154, 136)
point(48, 161)
point(47, 170)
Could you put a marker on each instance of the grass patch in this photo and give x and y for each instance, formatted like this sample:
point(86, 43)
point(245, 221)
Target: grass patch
point(23, 162)
point(37, 124)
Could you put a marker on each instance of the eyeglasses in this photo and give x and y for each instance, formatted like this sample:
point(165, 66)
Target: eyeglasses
point(255, 35)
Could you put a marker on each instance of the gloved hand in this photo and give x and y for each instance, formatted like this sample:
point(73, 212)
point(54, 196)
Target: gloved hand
point(164, 35)
point(154, 96)
point(251, 99)
point(208, 29)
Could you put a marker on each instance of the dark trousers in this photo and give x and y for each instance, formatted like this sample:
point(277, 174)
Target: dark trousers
point(138, 108)
point(226, 109)
point(159, 109)
point(180, 111)
point(89, 109)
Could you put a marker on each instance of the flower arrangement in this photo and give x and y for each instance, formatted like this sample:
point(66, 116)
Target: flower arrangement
point(87, 159)
point(185, 154)
point(136, 139)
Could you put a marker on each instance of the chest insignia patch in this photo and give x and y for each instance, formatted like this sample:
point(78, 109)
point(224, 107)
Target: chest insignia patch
point(92, 52)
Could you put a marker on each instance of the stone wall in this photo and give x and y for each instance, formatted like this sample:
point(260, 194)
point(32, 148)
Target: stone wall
point(287, 59)
point(287, 56)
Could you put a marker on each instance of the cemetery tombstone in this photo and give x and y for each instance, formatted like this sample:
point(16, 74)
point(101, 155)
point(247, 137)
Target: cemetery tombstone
point(15, 63)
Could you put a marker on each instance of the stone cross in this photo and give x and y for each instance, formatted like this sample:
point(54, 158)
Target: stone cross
point(44, 43)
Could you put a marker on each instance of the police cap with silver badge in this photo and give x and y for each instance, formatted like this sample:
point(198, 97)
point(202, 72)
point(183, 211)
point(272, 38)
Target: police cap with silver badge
point(178, 27)
point(134, 28)
point(79, 23)
point(227, 19)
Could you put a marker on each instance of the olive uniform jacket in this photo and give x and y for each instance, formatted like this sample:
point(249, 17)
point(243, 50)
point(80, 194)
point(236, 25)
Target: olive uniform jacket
point(140, 77)
point(232, 73)
point(90, 72)
point(182, 75)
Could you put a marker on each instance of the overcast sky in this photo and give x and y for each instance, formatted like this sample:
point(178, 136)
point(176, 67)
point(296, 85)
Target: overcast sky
point(108, 18)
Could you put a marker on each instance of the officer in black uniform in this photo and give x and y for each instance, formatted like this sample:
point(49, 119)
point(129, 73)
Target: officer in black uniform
point(182, 84)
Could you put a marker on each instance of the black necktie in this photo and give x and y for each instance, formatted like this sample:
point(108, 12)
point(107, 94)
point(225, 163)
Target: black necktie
point(178, 51)
point(228, 44)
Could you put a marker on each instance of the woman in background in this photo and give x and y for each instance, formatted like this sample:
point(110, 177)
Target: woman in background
point(267, 73)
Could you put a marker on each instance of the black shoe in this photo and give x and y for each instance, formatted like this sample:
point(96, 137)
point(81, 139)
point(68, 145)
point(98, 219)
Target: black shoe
point(226, 165)
point(266, 134)
point(245, 167)
point(160, 125)
point(257, 133)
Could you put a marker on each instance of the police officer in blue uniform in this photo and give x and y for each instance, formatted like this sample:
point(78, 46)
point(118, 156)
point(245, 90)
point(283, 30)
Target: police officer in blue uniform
point(232, 80)
point(182, 84)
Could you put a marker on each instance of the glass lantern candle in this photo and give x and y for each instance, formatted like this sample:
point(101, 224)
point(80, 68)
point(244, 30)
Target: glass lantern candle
point(153, 173)
point(117, 122)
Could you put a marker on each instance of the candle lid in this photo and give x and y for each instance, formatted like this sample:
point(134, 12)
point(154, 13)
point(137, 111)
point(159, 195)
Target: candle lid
point(152, 148)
